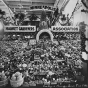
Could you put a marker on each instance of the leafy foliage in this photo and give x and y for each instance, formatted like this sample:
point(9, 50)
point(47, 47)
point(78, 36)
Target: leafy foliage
point(33, 17)
point(82, 29)
point(19, 16)
point(2, 12)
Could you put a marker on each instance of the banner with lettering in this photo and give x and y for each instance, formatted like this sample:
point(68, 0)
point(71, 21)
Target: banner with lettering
point(65, 29)
point(20, 29)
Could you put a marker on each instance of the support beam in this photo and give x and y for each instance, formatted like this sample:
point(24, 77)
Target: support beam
point(28, 5)
point(56, 3)
point(52, 1)
point(65, 2)
point(9, 10)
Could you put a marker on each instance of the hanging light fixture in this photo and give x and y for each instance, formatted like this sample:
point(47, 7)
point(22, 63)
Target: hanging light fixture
point(84, 56)
point(25, 12)
point(14, 10)
point(1, 30)
point(1, 27)
point(85, 3)
point(30, 1)
point(20, 5)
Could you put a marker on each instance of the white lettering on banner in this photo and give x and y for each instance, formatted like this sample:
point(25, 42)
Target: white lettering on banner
point(20, 29)
point(11, 28)
point(65, 29)
point(42, 7)
point(27, 29)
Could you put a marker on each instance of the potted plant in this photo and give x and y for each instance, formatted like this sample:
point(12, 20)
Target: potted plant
point(33, 17)
point(19, 18)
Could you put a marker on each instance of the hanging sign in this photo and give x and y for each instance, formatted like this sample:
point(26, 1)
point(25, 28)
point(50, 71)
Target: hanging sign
point(42, 7)
point(65, 29)
point(20, 29)
point(85, 3)
point(11, 29)
point(27, 29)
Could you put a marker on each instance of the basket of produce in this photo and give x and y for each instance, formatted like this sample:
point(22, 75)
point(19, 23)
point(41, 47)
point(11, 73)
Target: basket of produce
point(26, 81)
point(3, 79)
point(17, 80)
point(25, 84)
point(53, 82)
point(32, 83)
point(46, 83)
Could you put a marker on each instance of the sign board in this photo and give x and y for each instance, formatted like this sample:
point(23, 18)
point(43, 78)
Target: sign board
point(20, 29)
point(27, 29)
point(65, 29)
point(11, 29)
point(49, 8)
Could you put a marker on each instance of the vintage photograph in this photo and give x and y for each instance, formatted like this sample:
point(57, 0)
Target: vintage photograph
point(43, 43)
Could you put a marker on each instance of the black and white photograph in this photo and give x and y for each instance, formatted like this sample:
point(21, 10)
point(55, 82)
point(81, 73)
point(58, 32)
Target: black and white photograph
point(43, 43)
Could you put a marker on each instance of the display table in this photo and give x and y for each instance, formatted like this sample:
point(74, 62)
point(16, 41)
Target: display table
point(56, 86)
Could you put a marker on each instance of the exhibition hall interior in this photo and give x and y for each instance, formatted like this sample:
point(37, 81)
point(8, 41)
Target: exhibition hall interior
point(43, 43)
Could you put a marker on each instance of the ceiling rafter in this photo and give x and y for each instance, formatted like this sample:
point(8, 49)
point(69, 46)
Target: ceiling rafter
point(26, 4)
